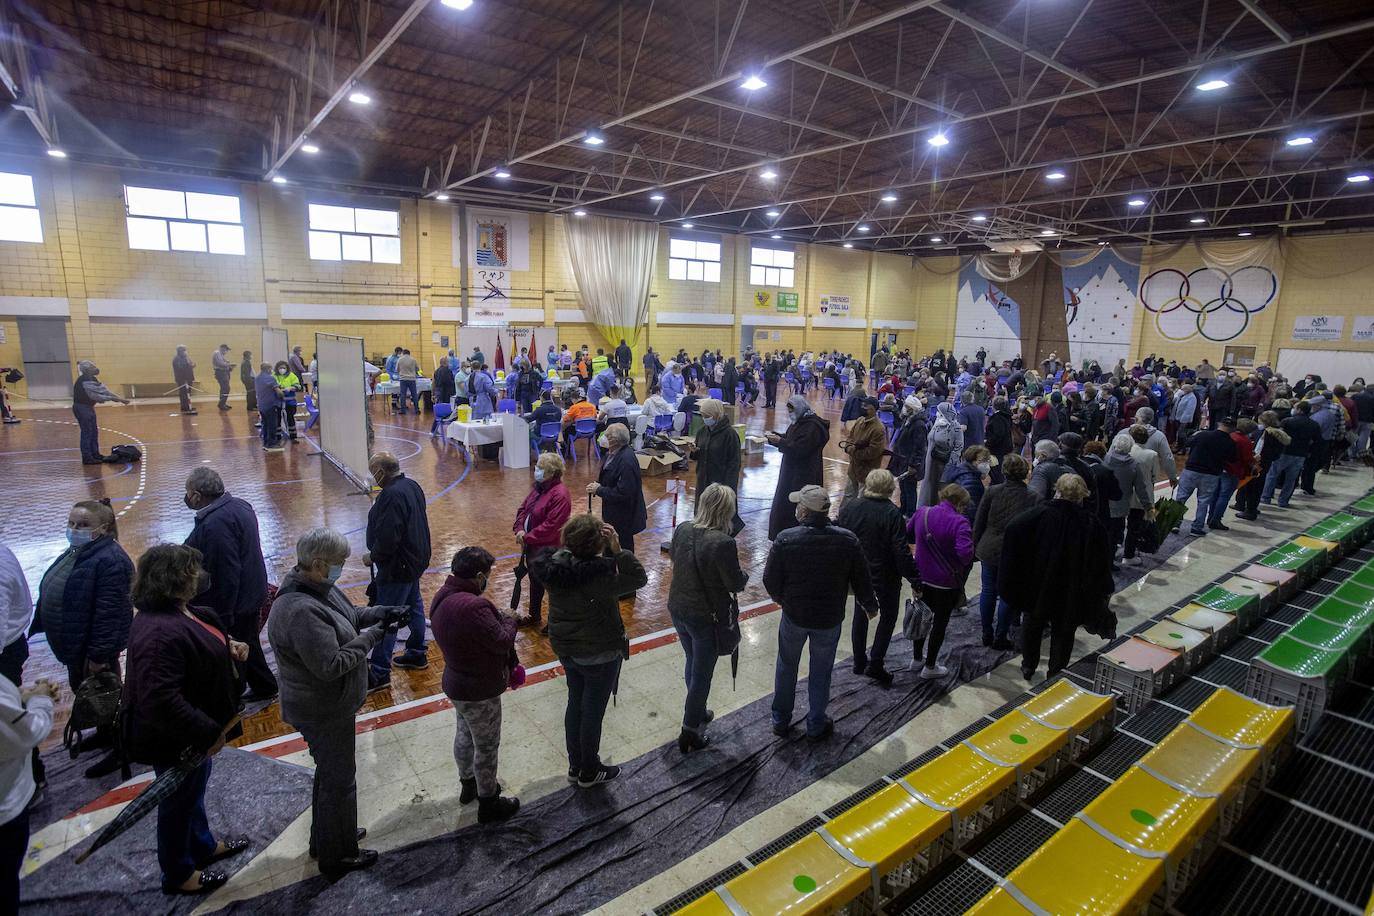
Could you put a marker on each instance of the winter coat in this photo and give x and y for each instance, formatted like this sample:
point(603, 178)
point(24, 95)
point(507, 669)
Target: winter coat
point(178, 685)
point(811, 570)
point(867, 441)
point(1135, 485)
point(321, 642)
point(1056, 564)
point(909, 447)
point(975, 420)
point(226, 534)
point(96, 606)
point(943, 434)
point(183, 373)
point(542, 515)
point(706, 572)
point(878, 525)
point(622, 494)
point(1000, 504)
point(997, 434)
point(944, 545)
point(966, 476)
point(1045, 475)
point(398, 531)
point(1272, 443)
point(477, 640)
point(717, 456)
point(443, 383)
point(584, 599)
point(802, 447)
point(853, 407)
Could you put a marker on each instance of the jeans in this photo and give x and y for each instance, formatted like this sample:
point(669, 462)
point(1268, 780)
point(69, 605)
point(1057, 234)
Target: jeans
point(334, 795)
point(90, 437)
point(791, 639)
point(477, 743)
point(941, 602)
point(698, 641)
point(408, 390)
point(1282, 476)
point(1221, 497)
point(14, 845)
point(271, 426)
point(993, 609)
point(184, 840)
point(889, 596)
point(399, 594)
point(1204, 485)
point(589, 690)
point(1362, 436)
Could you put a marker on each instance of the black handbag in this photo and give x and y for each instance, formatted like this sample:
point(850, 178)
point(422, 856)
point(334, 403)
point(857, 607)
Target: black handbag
point(96, 706)
point(961, 598)
point(726, 625)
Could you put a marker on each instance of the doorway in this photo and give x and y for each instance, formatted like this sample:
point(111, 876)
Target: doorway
point(47, 362)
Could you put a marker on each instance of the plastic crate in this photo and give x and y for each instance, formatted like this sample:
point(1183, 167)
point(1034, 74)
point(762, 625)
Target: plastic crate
point(1290, 673)
point(1196, 645)
point(1285, 583)
point(1244, 604)
point(1224, 627)
point(1136, 671)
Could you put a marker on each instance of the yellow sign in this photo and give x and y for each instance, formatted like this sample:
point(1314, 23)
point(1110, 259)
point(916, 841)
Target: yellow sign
point(762, 297)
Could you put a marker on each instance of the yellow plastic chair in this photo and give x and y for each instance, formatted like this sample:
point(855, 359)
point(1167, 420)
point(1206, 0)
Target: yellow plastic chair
point(962, 784)
point(709, 905)
point(1204, 765)
point(806, 877)
point(1238, 718)
point(1066, 705)
point(1331, 547)
point(1153, 818)
point(1017, 740)
point(1079, 871)
point(998, 902)
point(889, 829)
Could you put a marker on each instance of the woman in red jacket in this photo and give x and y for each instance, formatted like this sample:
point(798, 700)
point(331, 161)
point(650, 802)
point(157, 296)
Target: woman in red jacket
point(538, 523)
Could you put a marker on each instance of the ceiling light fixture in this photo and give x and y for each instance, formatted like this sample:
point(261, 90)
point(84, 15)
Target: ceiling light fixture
point(1056, 175)
point(768, 174)
point(889, 198)
point(1212, 85)
point(57, 153)
point(579, 213)
point(277, 179)
point(1048, 232)
point(688, 225)
point(773, 214)
point(593, 138)
point(979, 218)
point(1245, 235)
point(656, 196)
point(938, 139)
point(1299, 140)
point(441, 197)
point(775, 236)
point(502, 172)
point(310, 148)
point(457, 4)
point(1358, 178)
point(1198, 220)
point(753, 83)
point(360, 98)
point(862, 227)
point(1136, 202)
point(849, 244)
point(936, 238)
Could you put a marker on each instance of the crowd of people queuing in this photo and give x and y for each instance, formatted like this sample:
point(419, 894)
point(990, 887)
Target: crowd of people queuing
point(1046, 476)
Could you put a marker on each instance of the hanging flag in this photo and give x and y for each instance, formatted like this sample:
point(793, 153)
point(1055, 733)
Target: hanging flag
point(534, 349)
point(500, 357)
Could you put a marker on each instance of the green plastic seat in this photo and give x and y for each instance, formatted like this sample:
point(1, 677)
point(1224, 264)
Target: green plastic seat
point(1366, 504)
point(1323, 634)
point(1291, 557)
point(1343, 614)
point(1342, 527)
point(1354, 593)
point(1219, 599)
point(1364, 576)
point(1303, 661)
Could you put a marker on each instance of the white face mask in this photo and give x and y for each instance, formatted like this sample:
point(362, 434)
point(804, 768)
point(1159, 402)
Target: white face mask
point(538, 475)
point(603, 441)
point(984, 467)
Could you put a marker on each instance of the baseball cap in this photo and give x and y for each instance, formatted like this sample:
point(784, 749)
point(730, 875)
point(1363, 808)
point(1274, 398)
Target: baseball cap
point(812, 497)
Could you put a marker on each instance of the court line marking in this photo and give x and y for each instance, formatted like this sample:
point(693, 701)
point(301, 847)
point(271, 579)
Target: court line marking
point(142, 464)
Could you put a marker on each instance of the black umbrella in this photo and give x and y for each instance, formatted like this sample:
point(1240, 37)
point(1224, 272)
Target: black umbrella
point(521, 570)
point(158, 790)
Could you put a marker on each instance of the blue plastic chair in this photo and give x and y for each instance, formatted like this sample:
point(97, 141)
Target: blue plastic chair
point(443, 415)
point(548, 385)
point(585, 429)
point(548, 432)
point(888, 421)
point(791, 380)
point(663, 423)
point(907, 392)
point(829, 384)
point(312, 410)
point(713, 393)
point(506, 405)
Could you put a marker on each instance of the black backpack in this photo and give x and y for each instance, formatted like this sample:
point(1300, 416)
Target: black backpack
point(128, 453)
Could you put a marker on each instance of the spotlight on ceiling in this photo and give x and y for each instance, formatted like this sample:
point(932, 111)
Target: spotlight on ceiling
point(775, 236)
point(1048, 232)
point(57, 153)
point(889, 198)
point(458, 4)
point(773, 214)
point(862, 227)
point(579, 213)
point(1299, 140)
point(310, 148)
point(936, 238)
point(938, 139)
point(688, 225)
point(1198, 220)
point(1136, 202)
point(1245, 235)
point(768, 174)
point(753, 83)
point(501, 172)
point(441, 197)
point(360, 98)
point(1358, 178)
point(1212, 85)
point(1056, 175)
point(277, 179)
point(593, 138)
point(849, 244)
point(656, 196)
point(979, 218)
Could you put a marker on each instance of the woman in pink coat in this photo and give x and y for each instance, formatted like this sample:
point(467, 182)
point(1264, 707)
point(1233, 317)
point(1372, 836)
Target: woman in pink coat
point(538, 524)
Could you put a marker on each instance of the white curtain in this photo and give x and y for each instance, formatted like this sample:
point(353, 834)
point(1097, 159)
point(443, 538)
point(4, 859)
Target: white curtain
point(612, 261)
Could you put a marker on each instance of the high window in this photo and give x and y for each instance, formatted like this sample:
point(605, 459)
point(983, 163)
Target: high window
point(771, 267)
point(692, 259)
point(163, 220)
point(355, 234)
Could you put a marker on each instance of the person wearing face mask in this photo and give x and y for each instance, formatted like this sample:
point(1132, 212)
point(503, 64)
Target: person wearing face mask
point(84, 605)
point(478, 644)
point(288, 383)
point(619, 486)
point(909, 453)
point(87, 391)
point(945, 444)
point(717, 453)
point(973, 472)
point(864, 446)
point(398, 548)
point(802, 448)
point(321, 642)
point(269, 395)
point(226, 534)
point(180, 697)
point(538, 522)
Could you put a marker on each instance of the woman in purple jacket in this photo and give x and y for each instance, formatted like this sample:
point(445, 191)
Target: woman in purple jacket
point(478, 643)
point(944, 556)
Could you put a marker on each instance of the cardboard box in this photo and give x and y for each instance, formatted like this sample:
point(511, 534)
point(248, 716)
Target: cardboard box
point(656, 463)
point(754, 445)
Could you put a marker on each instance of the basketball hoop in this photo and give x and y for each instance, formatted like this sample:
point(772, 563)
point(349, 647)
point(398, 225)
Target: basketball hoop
point(1014, 262)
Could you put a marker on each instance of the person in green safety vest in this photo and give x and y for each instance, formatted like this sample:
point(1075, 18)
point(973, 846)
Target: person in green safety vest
point(599, 361)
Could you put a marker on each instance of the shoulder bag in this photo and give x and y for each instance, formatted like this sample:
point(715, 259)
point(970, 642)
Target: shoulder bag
point(961, 579)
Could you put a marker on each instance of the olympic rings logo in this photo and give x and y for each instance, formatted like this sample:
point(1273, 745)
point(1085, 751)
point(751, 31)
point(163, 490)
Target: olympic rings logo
point(1214, 303)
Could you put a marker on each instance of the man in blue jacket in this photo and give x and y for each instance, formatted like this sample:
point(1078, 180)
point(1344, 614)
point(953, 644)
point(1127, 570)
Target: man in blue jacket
point(399, 550)
point(269, 407)
point(226, 534)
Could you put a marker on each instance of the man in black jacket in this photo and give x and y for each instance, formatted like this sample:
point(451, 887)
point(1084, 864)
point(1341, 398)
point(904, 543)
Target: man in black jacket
point(226, 534)
point(398, 549)
point(1304, 434)
point(1364, 415)
point(997, 435)
point(619, 486)
point(1208, 453)
point(623, 357)
point(881, 530)
point(546, 411)
point(443, 383)
point(184, 374)
point(810, 572)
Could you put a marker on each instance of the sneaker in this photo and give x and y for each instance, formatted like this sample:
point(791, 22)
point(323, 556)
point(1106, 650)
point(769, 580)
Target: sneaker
point(879, 675)
point(413, 661)
point(1195, 533)
point(11, 420)
point(1133, 561)
point(189, 413)
point(605, 774)
point(1219, 527)
point(274, 448)
point(496, 808)
point(932, 672)
point(1249, 516)
point(572, 774)
point(783, 729)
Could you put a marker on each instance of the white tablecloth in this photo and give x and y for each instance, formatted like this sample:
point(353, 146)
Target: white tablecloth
point(511, 432)
point(470, 435)
point(394, 387)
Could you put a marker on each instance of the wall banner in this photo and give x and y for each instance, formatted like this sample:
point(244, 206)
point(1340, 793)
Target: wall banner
point(1318, 327)
point(497, 239)
point(787, 302)
point(1362, 329)
point(763, 298)
point(834, 306)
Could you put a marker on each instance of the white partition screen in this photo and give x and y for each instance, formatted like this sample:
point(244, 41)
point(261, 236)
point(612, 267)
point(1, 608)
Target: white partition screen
point(275, 348)
point(343, 405)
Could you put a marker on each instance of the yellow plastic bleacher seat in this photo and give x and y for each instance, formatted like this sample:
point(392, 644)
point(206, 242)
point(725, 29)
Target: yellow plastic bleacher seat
point(1152, 816)
point(1066, 705)
point(1199, 764)
point(708, 905)
point(1243, 720)
point(806, 877)
point(1081, 871)
point(889, 828)
point(997, 902)
point(960, 781)
point(1312, 543)
point(1017, 740)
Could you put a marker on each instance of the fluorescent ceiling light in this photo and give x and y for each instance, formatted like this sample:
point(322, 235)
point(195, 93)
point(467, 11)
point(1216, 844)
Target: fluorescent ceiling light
point(1048, 232)
point(277, 179)
point(768, 174)
point(1245, 235)
point(1056, 175)
point(849, 244)
point(1358, 178)
point(1136, 202)
point(57, 153)
point(360, 98)
point(502, 172)
point(753, 83)
point(1213, 85)
point(579, 213)
point(457, 4)
point(938, 139)
point(862, 228)
point(1300, 140)
point(936, 238)
point(889, 198)
point(775, 236)
point(441, 197)
point(656, 196)
point(1198, 220)
point(1100, 244)
point(773, 214)
point(310, 148)
point(979, 218)
point(688, 225)
point(593, 139)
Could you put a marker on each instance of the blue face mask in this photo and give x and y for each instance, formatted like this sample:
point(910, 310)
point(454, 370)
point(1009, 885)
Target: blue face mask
point(538, 475)
point(78, 537)
point(709, 421)
point(332, 574)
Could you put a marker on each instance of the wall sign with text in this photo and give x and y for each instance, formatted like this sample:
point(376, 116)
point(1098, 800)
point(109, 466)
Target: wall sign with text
point(1362, 329)
point(787, 302)
point(835, 306)
point(1318, 327)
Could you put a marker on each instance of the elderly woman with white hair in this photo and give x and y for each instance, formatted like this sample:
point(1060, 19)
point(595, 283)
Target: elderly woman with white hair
point(1128, 513)
point(716, 451)
point(619, 486)
point(321, 642)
